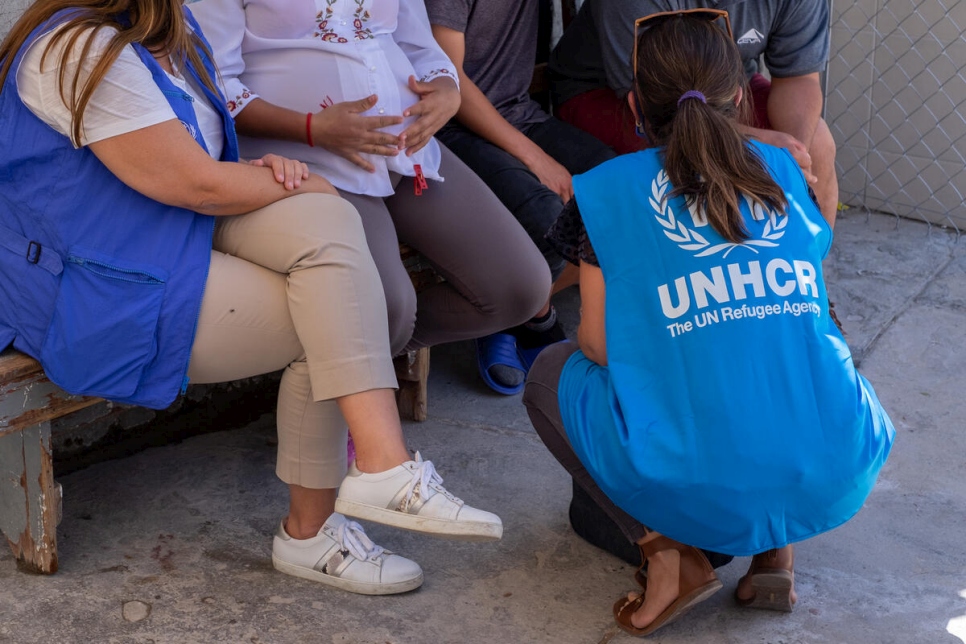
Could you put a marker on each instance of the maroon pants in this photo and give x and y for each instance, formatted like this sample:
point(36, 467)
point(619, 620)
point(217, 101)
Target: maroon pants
point(608, 117)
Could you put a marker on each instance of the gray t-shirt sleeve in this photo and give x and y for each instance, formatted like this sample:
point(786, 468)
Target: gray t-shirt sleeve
point(799, 42)
point(452, 14)
point(615, 26)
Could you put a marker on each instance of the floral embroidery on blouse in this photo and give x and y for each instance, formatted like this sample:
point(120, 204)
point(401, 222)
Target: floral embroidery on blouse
point(323, 30)
point(361, 18)
point(436, 73)
point(240, 100)
point(325, 23)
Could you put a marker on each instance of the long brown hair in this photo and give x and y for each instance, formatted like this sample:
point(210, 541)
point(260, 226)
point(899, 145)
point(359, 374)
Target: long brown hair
point(158, 25)
point(705, 156)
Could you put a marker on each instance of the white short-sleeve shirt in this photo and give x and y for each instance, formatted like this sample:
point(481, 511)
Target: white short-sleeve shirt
point(127, 99)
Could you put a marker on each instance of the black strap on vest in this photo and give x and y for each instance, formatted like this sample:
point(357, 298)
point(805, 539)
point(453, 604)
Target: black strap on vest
point(32, 251)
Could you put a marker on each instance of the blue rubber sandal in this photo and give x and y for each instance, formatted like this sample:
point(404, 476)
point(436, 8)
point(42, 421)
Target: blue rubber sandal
point(499, 349)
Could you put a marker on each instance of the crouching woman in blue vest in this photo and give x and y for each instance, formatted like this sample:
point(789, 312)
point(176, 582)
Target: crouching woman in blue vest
point(710, 401)
point(137, 254)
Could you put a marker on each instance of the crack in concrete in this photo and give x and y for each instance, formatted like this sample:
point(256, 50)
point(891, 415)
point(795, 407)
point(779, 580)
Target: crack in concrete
point(859, 355)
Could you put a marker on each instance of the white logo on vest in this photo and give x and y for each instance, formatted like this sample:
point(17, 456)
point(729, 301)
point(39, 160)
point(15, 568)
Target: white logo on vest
point(738, 290)
point(691, 240)
point(192, 130)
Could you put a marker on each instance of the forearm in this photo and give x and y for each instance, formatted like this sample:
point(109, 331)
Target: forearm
point(263, 120)
point(479, 116)
point(591, 333)
point(238, 188)
point(795, 106)
point(164, 163)
point(591, 346)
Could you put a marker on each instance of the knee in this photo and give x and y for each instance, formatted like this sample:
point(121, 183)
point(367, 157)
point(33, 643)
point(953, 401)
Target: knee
point(401, 307)
point(548, 366)
point(523, 290)
point(540, 394)
point(323, 216)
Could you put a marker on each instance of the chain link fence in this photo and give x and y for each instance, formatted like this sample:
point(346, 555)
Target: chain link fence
point(896, 104)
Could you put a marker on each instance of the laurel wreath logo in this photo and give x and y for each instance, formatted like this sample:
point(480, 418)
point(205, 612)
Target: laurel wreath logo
point(691, 240)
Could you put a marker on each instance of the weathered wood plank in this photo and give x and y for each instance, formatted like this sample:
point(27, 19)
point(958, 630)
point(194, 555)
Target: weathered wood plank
point(412, 372)
point(29, 498)
point(28, 398)
point(14, 365)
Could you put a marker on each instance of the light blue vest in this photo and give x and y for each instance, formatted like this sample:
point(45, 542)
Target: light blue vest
point(98, 282)
point(730, 416)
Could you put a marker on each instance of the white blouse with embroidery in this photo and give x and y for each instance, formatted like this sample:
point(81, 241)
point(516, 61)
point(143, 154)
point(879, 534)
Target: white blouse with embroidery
point(306, 55)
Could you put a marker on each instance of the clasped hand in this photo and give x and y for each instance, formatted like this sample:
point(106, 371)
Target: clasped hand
point(291, 174)
point(797, 148)
point(288, 172)
point(343, 130)
point(439, 100)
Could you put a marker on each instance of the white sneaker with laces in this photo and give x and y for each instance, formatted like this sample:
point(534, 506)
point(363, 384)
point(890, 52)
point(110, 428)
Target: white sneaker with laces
point(411, 496)
point(343, 556)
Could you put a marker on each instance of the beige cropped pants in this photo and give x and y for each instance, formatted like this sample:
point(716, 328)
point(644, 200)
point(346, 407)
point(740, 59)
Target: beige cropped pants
point(292, 286)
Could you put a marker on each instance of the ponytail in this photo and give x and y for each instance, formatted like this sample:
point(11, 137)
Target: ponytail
point(689, 85)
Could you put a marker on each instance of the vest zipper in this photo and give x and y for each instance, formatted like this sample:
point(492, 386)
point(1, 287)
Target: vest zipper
point(122, 274)
point(179, 94)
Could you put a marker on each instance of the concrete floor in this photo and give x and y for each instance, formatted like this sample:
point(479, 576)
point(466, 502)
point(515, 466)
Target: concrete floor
point(173, 544)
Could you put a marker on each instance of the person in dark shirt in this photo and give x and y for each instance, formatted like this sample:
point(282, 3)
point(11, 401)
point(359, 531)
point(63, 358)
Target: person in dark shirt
point(591, 75)
point(523, 154)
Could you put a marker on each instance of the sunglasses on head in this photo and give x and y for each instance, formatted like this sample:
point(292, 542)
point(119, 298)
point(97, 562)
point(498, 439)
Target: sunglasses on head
point(716, 16)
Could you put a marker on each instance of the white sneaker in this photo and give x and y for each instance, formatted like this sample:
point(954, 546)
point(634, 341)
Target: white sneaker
point(411, 496)
point(341, 555)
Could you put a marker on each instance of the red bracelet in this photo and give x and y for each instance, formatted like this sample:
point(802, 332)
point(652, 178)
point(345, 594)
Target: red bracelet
point(308, 129)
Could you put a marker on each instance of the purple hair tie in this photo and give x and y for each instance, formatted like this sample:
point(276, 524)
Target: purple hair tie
point(692, 94)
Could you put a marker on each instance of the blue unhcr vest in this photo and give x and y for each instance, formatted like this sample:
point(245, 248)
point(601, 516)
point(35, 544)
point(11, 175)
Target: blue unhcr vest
point(99, 283)
point(730, 415)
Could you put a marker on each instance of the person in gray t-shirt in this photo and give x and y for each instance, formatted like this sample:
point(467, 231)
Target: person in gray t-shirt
point(591, 75)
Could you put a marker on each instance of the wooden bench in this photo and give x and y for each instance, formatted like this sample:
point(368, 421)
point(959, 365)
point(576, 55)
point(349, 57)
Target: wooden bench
point(30, 499)
point(412, 369)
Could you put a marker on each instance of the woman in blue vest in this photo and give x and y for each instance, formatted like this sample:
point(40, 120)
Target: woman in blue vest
point(710, 397)
point(137, 254)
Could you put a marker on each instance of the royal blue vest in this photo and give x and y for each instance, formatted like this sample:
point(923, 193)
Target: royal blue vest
point(99, 283)
point(730, 415)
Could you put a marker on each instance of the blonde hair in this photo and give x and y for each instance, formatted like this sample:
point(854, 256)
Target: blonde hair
point(158, 25)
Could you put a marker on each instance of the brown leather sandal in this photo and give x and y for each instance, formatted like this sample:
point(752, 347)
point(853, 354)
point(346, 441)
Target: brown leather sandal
point(640, 575)
point(771, 581)
point(696, 582)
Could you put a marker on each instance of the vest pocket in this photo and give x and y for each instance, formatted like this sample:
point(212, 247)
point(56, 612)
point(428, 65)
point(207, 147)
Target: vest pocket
point(103, 332)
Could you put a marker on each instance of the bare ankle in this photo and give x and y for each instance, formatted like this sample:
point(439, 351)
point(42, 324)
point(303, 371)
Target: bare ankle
point(375, 463)
point(301, 530)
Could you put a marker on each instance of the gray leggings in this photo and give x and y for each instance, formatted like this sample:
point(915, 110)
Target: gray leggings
point(495, 276)
point(540, 397)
